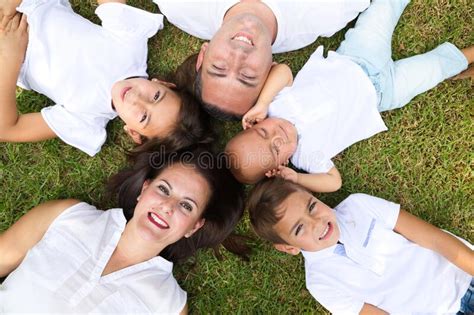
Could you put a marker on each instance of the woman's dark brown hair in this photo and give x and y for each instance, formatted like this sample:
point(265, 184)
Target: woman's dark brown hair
point(223, 211)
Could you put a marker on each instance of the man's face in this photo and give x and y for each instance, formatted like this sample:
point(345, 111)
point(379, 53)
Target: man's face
point(235, 64)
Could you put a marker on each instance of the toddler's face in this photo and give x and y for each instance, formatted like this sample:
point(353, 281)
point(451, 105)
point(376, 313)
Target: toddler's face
point(306, 224)
point(148, 107)
point(261, 148)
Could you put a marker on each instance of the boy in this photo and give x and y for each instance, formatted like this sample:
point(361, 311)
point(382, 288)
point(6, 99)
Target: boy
point(367, 255)
point(335, 102)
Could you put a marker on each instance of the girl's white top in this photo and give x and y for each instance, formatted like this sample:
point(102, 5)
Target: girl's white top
point(62, 273)
point(75, 62)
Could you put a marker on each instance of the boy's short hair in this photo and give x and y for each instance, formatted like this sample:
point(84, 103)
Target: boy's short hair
point(264, 202)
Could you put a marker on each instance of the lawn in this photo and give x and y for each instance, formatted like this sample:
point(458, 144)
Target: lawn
point(423, 162)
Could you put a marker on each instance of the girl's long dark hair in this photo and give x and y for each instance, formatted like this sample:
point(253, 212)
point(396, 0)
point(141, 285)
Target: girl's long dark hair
point(223, 211)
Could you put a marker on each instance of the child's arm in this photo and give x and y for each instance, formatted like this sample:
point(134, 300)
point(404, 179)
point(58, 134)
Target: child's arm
point(429, 236)
point(279, 77)
point(27, 231)
point(369, 309)
point(317, 182)
point(99, 2)
point(14, 127)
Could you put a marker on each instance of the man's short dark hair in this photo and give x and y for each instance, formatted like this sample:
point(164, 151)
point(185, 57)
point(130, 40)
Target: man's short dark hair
point(212, 109)
point(264, 202)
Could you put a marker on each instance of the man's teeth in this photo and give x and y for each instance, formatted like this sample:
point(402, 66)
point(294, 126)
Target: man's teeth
point(243, 39)
point(158, 220)
point(325, 232)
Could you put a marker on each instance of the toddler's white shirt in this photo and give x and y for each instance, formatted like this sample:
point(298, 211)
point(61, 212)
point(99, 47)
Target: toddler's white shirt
point(62, 273)
point(300, 22)
point(75, 62)
point(378, 266)
point(332, 104)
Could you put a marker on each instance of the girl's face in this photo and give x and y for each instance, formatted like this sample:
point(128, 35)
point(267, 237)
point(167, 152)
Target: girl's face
point(170, 206)
point(148, 107)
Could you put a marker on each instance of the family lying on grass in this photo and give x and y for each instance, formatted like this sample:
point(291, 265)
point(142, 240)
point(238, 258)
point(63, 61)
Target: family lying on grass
point(365, 256)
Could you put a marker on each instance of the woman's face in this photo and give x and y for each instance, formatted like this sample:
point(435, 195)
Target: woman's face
point(170, 206)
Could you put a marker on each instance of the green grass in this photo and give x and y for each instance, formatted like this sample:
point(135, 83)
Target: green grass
point(424, 162)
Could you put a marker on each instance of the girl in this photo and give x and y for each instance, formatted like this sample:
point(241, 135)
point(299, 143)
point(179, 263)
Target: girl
point(67, 256)
point(93, 73)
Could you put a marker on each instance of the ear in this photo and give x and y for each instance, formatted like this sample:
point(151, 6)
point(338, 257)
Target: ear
point(201, 55)
point(136, 137)
point(292, 250)
point(196, 227)
point(145, 185)
point(165, 83)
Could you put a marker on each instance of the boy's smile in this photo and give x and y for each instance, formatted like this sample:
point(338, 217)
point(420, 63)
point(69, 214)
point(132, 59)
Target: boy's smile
point(306, 224)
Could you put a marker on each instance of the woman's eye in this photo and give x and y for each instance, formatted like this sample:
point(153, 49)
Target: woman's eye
point(143, 117)
point(311, 207)
point(164, 190)
point(157, 96)
point(298, 229)
point(186, 206)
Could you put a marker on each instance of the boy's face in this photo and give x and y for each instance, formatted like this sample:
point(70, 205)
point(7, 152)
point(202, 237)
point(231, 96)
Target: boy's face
point(262, 148)
point(307, 224)
point(148, 107)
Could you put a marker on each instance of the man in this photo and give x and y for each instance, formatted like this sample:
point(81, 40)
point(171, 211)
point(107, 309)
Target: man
point(230, 70)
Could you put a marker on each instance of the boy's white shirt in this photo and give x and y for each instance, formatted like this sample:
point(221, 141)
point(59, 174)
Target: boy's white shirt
point(379, 266)
point(333, 104)
point(300, 22)
point(75, 62)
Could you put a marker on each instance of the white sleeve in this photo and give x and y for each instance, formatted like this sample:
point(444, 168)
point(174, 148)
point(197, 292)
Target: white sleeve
point(311, 161)
point(337, 14)
point(333, 299)
point(383, 210)
point(123, 19)
point(76, 129)
point(199, 18)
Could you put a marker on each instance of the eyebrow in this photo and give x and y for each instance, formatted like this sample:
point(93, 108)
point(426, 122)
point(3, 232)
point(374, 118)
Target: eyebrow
point(309, 203)
point(294, 226)
point(221, 75)
point(148, 120)
point(186, 198)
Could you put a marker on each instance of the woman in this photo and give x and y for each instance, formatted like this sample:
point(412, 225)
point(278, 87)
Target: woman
point(67, 256)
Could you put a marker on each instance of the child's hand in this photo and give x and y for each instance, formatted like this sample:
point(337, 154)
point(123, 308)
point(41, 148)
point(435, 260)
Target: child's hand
point(8, 10)
point(13, 41)
point(255, 115)
point(284, 172)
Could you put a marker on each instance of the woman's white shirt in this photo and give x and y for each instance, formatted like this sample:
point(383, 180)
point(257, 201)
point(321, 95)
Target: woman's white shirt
point(75, 62)
point(62, 273)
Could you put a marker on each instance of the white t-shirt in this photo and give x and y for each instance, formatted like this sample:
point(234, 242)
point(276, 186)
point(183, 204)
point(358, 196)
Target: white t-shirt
point(332, 104)
point(379, 266)
point(62, 273)
point(300, 22)
point(75, 62)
